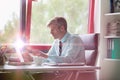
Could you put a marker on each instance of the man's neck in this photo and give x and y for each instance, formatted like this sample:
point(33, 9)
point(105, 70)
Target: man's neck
point(62, 35)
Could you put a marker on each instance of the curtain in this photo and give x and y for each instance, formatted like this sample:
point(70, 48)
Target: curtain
point(28, 22)
point(91, 17)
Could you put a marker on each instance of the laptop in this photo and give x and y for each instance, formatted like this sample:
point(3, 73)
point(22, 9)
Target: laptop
point(18, 60)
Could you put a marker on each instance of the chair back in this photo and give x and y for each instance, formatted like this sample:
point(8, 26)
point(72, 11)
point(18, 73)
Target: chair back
point(91, 47)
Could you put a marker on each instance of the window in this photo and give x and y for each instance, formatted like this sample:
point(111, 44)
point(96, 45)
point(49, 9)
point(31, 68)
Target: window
point(9, 20)
point(75, 12)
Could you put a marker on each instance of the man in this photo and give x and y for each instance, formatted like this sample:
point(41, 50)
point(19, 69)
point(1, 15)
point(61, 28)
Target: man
point(67, 48)
point(72, 47)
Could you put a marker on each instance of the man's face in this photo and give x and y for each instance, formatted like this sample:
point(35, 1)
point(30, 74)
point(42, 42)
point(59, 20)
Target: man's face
point(55, 31)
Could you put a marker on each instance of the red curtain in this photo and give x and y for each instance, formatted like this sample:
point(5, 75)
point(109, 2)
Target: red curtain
point(91, 17)
point(28, 21)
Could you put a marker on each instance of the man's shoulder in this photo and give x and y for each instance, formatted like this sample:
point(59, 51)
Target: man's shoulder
point(76, 36)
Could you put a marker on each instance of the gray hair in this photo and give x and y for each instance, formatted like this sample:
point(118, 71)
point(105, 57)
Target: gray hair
point(59, 21)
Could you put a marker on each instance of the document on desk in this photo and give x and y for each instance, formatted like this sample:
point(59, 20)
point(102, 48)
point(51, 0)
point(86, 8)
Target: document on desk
point(64, 64)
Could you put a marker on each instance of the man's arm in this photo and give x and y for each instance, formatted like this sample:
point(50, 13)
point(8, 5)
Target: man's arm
point(73, 53)
point(36, 52)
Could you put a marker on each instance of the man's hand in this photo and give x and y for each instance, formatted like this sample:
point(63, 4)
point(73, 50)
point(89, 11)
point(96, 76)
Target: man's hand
point(40, 53)
point(37, 52)
point(27, 57)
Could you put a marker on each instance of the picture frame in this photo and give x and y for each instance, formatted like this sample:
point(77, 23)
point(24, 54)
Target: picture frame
point(116, 4)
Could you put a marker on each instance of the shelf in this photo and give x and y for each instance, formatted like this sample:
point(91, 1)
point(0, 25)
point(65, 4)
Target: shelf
point(111, 36)
point(112, 14)
point(108, 59)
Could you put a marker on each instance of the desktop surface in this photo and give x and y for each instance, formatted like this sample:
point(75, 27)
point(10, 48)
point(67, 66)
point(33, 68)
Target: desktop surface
point(34, 67)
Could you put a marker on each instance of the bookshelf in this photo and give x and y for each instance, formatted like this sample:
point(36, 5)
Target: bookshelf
point(112, 36)
point(109, 44)
point(112, 33)
point(113, 44)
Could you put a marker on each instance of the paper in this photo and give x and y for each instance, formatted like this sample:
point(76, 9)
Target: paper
point(64, 64)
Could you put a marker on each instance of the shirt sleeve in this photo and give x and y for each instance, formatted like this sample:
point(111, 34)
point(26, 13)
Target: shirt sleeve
point(51, 52)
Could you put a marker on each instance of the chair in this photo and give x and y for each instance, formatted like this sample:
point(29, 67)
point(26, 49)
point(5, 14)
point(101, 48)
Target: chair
point(91, 53)
point(91, 47)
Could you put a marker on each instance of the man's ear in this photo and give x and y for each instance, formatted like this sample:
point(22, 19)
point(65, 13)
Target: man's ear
point(62, 28)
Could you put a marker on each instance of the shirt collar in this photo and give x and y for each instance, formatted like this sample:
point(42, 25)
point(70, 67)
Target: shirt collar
point(65, 37)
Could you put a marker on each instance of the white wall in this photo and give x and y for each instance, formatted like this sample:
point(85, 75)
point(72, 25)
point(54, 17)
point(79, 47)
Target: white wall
point(97, 16)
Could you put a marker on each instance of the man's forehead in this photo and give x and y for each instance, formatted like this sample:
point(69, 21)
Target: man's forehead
point(53, 26)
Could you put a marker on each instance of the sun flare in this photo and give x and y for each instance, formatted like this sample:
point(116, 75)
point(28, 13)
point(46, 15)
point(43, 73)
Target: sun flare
point(18, 45)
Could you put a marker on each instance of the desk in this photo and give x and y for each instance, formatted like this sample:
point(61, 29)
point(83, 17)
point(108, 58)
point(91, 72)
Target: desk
point(37, 68)
point(34, 67)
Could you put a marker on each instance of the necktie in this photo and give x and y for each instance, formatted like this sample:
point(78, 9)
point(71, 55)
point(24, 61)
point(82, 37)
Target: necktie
point(60, 48)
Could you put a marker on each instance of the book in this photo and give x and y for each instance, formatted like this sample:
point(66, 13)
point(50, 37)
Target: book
point(115, 52)
point(111, 6)
point(109, 48)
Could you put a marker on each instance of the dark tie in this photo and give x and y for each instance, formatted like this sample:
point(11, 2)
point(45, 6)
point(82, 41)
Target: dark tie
point(60, 48)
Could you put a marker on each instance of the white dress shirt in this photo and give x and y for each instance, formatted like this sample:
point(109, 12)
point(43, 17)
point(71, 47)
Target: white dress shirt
point(72, 50)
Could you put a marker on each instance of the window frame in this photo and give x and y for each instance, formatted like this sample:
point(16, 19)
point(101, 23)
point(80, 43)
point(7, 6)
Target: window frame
point(26, 30)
